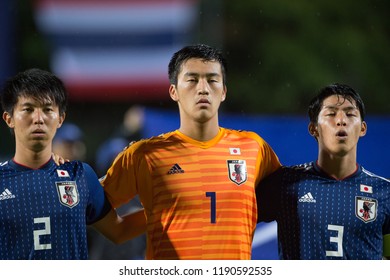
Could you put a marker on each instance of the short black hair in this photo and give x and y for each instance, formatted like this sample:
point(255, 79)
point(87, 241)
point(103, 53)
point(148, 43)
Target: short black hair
point(37, 83)
point(201, 51)
point(341, 90)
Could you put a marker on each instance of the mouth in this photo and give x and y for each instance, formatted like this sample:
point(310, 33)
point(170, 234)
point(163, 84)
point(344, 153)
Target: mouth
point(38, 132)
point(203, 101)
point(342, 134)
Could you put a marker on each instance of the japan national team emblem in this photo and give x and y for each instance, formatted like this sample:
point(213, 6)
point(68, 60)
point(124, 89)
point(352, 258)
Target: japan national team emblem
point(366, 208)
point(237, 171)
point(68, 193)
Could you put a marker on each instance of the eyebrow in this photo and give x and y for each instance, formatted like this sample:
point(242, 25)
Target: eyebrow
point(332, 107)
point(28, 103)
point(194, 74)
point(337, 107)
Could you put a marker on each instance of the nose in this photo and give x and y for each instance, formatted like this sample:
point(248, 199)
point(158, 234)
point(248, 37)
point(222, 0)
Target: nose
point(203, 86)
point(341, 119)
point(38, 116)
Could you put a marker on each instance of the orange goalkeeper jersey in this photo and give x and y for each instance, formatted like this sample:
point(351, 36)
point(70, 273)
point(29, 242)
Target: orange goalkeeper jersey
point(199, 197)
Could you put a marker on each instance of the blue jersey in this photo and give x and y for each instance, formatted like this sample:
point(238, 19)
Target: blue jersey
point(320, 217)
point(44, 212)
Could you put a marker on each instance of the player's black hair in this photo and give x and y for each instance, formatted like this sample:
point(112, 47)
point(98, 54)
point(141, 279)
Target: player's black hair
point(343, 91)
point(201, 51)
point(37, 83)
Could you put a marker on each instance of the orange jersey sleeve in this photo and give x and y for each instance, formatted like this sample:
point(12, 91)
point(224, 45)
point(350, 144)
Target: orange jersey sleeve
point(199, 197)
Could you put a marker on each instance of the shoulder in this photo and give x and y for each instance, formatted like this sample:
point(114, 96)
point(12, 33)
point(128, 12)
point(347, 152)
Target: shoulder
point(287, 174)
point(143, 145)
point(298, 169)
point(242, 133)
point(79, 170)
point(6, 168)
point(74, 167)
point(245, 134)
point(3, 165)
point(73, 164)
point(303, 167)
point(376, 177)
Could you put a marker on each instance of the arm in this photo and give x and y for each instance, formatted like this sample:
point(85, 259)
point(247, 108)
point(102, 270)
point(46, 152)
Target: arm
point(120, 229)
point(105, 219)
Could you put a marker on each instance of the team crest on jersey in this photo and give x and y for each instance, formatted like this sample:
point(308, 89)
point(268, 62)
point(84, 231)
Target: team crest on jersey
point(237, 171)
point(68, 193)
point(366, 208)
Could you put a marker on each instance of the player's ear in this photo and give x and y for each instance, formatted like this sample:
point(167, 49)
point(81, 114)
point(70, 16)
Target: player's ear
point(61, 120)
point(223, 97)
point(173, 92)
point(8, 120)
point(313, 130)
point(363, 129)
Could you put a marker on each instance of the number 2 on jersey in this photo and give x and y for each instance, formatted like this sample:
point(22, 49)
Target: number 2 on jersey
point(37, 233)
point(213, 206)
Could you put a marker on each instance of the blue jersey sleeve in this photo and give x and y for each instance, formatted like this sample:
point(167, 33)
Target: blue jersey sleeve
point(98, 204)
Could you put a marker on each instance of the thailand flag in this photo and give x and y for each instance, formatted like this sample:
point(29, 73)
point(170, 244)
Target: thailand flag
point(117, 49)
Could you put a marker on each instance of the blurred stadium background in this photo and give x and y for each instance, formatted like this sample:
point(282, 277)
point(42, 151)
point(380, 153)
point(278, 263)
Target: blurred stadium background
point(114, 54)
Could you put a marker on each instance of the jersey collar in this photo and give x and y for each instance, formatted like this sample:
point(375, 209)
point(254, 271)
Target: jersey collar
point(21, 167)
point(204, 144)
point(356, 173)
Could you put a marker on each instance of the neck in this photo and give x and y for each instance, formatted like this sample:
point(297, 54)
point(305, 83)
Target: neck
point(200, 131)
point(32, 159)
point(339, 167)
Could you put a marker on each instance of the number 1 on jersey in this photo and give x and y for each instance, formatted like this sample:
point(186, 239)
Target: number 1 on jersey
point(213, 205)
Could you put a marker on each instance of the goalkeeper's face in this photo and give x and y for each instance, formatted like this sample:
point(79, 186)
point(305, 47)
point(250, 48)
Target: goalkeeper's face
point(200, 90)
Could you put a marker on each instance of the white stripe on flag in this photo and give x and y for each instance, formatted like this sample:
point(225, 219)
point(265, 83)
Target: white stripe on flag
point(115, 16)
point(77, 65)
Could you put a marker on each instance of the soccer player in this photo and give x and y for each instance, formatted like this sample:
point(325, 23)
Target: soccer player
point(197, 183)
point(44, 208)
point(332, 208)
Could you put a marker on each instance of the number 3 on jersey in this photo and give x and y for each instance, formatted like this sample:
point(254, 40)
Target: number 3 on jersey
point(213, 206)
point(338, 239)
